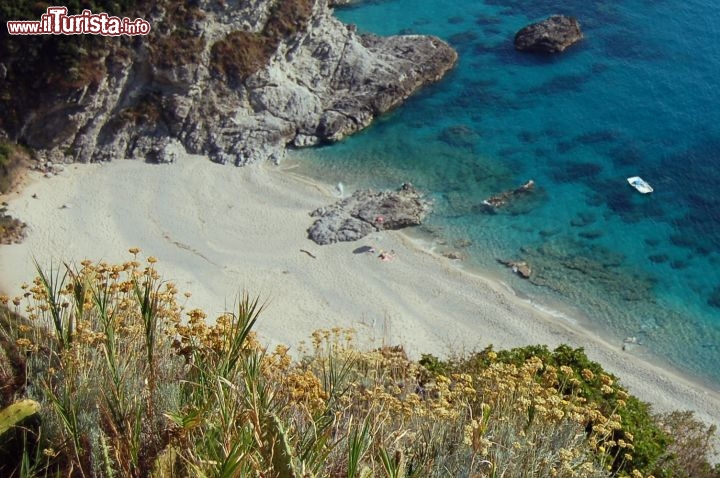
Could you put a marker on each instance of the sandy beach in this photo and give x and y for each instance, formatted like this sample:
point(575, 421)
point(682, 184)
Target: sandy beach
point(218, 230)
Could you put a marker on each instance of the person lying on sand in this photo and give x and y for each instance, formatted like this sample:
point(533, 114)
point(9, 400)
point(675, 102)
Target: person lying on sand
point(387, 256)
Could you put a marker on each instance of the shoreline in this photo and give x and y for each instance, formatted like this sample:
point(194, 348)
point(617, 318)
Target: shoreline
point(576, 319)
point(582, 329)
point(217, 230)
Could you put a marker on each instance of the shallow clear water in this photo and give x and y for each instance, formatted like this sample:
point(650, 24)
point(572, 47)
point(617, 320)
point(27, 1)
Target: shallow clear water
point(637, 97)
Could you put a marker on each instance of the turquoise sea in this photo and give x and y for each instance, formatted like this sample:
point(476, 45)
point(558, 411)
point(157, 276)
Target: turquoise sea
point(639, 96)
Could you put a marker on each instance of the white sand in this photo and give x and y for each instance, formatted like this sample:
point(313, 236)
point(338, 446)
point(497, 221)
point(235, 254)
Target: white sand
point(218, 230)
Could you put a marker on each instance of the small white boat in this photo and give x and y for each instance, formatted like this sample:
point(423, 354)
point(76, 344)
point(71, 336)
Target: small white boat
point(639, 183)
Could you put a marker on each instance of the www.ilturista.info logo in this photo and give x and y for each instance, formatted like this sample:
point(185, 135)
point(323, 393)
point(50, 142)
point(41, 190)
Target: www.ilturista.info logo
point(57, 22)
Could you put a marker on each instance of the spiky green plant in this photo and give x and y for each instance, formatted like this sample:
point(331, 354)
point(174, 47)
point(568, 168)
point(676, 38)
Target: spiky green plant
point(133, 385)
point(16, 413)
point(358, 443)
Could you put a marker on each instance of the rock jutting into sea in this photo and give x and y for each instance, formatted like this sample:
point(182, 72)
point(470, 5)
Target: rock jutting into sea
point(521, 268)
point(502, 199)
point(552, 35)
point(367, 211)
point(236, 81)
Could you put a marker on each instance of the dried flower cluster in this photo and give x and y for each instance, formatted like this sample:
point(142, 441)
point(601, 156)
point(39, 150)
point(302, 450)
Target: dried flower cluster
point(133, 384)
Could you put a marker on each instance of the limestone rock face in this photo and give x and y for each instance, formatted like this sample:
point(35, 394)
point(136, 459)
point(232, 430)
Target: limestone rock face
point(322, 83)
point(552, 35)
point(367, 211)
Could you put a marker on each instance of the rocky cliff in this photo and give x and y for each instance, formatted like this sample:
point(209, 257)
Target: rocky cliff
point(238, 81)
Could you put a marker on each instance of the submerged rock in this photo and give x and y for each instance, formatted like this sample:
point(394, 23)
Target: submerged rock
point(714, 299)
point(367, 211)
point(552, 35)
point(459, 136)
point(500, 200)
point(462, 243)
point(521, 268)
point(562, 264)
point(453, 255)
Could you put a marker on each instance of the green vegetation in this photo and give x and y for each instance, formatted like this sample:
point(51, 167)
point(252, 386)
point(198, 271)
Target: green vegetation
point(588, 380)
point(5, 151)
point(130, 383)
point(13, 415)
point(654, 441)
point(8, 162)
point(14, 159)
point(47, 70)
point(41, 68)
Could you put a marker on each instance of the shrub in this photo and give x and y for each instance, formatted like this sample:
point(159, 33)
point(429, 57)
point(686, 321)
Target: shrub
point(657, 443)
point(5, 151)
point(692, 440)
point(130, 383)
point(177, 49)
point(174, 41)
point(287, 18)
point(240, 54)
point(147, 109)
point(43, 68)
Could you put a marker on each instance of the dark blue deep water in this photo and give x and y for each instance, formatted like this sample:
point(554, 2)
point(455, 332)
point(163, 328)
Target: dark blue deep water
point(639, 96)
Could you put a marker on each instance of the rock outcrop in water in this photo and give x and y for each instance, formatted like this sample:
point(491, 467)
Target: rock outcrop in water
point(368, 211)
point(564, 265)
point(502, 199)
point(714, 299)
point(521, 268)
point(237, 81)
point(552, 35)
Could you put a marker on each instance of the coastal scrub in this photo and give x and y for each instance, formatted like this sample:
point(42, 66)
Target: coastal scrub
point(129, 382)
